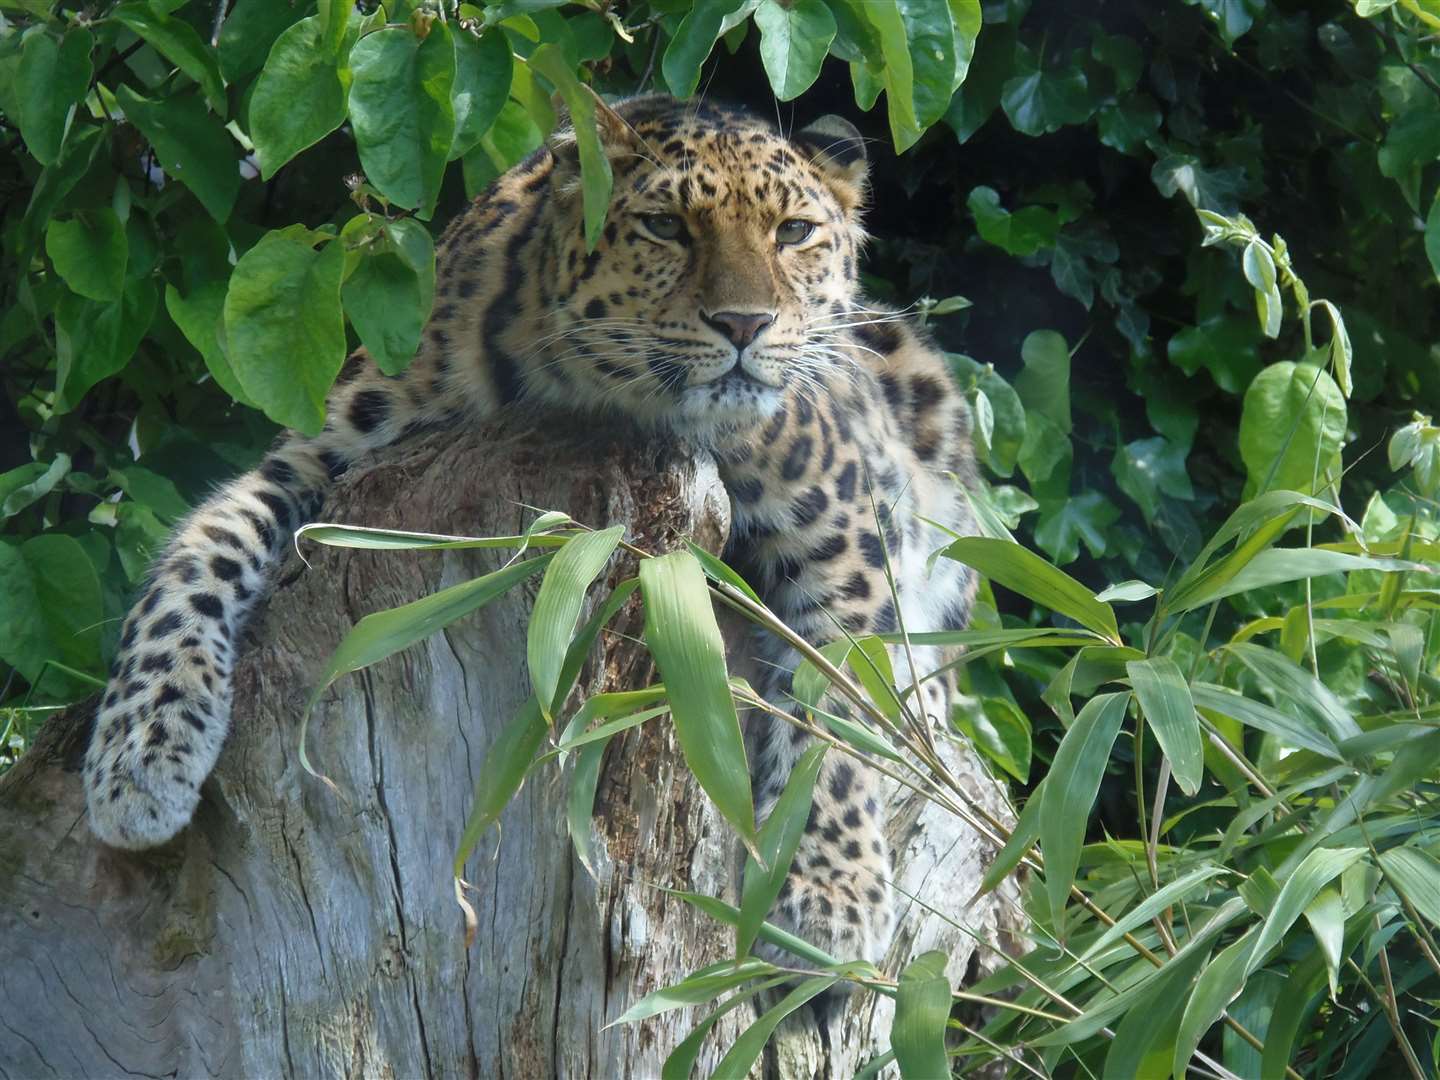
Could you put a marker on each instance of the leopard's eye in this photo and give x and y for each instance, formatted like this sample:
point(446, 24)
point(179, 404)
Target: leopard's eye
point(794, 231)
point(664, 226)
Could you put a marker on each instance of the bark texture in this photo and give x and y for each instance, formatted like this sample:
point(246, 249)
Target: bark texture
point(293, 932)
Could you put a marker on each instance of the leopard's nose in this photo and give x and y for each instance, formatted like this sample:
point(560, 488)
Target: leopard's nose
point(739, 327)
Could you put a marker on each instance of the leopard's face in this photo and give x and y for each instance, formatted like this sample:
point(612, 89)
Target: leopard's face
point(726, 273)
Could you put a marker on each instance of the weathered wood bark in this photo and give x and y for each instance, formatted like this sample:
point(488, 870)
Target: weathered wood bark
point(291, 932)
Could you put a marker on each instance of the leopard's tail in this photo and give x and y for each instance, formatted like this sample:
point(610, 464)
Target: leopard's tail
point(166, 710)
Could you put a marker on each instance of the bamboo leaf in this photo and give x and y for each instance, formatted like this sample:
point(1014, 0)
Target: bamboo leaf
point(1415, 874)
point(922, 1010)
point(699, 986)
point(1218, 985)
point(737, 1063)
point(1165, 700)
point(1315, 871)
point(557, 608)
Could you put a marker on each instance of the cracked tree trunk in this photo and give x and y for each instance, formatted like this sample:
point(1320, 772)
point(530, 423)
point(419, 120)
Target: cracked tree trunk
point(293, 932)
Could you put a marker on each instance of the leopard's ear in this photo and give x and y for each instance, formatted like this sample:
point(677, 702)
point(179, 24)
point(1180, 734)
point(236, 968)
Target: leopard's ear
point(836, 146)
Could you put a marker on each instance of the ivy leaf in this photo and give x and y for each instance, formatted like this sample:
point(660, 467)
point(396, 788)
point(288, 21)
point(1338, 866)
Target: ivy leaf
point(1064, 523)
point(1204, 188)
point(482, 83)
point(1044, 384)
point(401, 113)
point(299, 97)
point(51, 77)
point(1146, 468)
point(1024, 232)
point(89, 252)
point(190, 144)
point(794, 39)
point(284, 331)
point(1224, 345)
point(1127, 125)
point(1432, 236)
point(1231, 17)
point(1039, 100)
point(1291, 428)
point(1007, 434)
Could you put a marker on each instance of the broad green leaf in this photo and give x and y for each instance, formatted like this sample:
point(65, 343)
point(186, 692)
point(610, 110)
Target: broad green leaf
point(1231, 17)
point(1024, 572)
point(922, 1014)
point(1070, 789)
point(1024, 232)
point(741, 1057)
point(250, 30)
point(1040, 99)
point(1009, 413)
point(1145, 469)
point(52, 607)
point(153, 490)
point(897, 73)
point(284, 331)
point(482, 83)
point(1415, 874)
point(190, 144)
point(1218, 985)
point(1432, 236)
point(30, 483)
point(1291, 427)
point(794, 38)
point(779, 837)
point(557, 608)
point(941, 36)
point(178, 42)
point(51, 78)
point(1211, 698)
point(1129, 124)
point(90, 251)
point(698, 987)
point(1225, 345)
point(595, 175)
point(1164, 698)
point(501, 774)
point(334, 19)
point(691, 44)
point(401, 113)
point(79, 154)
point(1315, 871)
point(1044, 383)
point(685, 641)
point(200, 317)
point(1001, 732)
point(299, 97)
point(388, 295)
point(94, 340)
point(1063, 523)
point(1293, 684)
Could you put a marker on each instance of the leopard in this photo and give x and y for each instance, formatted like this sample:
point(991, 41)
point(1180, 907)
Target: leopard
point(720, 306)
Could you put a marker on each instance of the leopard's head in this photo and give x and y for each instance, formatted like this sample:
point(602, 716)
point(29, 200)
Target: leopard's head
point(727, 270)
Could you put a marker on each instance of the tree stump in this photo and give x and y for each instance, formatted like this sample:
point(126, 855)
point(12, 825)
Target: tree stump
point(290, 932)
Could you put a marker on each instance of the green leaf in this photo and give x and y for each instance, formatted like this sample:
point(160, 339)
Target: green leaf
point(284, 330)
point(1415, 874)
point(1147, 468)
point(1315, 871)
point(1022, 838)
point(1127, 125)
point(482, 83)
point(51, 78)
point(506, 762)
point(683, 637)
point(30, 483)
point(779, 837)
point(681, 1062)
point(940, 36)
point(741, 1057)
point(1008, 435)
point(299, 96)
point(1291, 427)
point(1209, 697)
point(922, 1014)
point(1024, 572)
point(200, 317)
point(250, 30)
point(178, 42)
point(1040, 100)
point(557, 608)
point(1219, 984)
point(1070, 790)
point(698, 987)
point(1165, 700)
point(1026, 231)
point(1432, 235)
point(1342, 354)
point(1225, 345)
point(595, 176)
point(1064, 523)
point(1126, 592)
point(1326, 916)
point(794, 39)
point(334, 20)
point(1001, 732)
point(691, 44)
point(152, 490)
point(1285, 564)
point(95, 340)
point(1260, 272)
point(897, 73)
point(1148, 908)
point(1298, 687)
point(52, 607)
point(90, 251)
point(401, 113)
point(388, 296)
point(190, 144)
point(1231, 17)
point(1044, 383)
